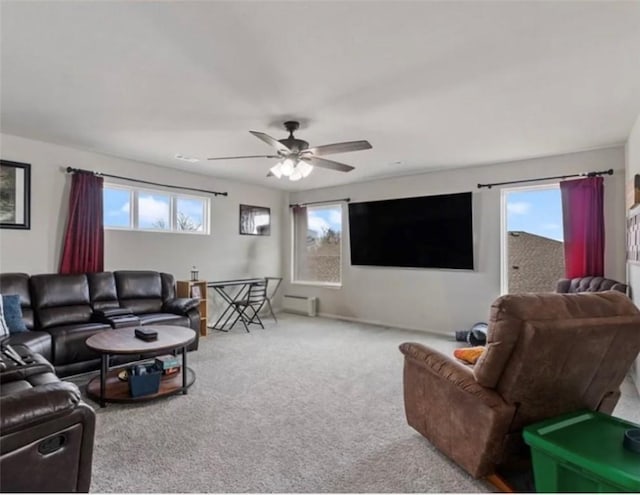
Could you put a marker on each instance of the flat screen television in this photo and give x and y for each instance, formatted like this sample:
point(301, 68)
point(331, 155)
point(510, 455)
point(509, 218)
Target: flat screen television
point(421, 232)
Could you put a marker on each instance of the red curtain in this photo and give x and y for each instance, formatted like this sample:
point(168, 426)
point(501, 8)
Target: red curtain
point(583, 219)
point(83, 249)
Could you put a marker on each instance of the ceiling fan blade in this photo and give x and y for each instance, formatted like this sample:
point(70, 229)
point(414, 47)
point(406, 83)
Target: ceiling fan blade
point(324, 163)
point(329, 149)
point(281, 148)
point(246, 156)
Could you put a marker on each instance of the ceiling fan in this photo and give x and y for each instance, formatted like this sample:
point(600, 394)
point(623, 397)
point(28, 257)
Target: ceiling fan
point(296, 158)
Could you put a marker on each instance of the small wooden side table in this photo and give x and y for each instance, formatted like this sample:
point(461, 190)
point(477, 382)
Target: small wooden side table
point(195, 289)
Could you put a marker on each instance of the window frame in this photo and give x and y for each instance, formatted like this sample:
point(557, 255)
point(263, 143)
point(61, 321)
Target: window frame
point(134, 220)
point(329, 285)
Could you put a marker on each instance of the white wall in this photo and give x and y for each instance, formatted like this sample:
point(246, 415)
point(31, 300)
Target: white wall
point(633, 269)
point(447, 300)
point(222, 255)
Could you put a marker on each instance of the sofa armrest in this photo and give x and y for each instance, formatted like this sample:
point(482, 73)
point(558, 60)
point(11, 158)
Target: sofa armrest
point(36, 405)
point(181, 305)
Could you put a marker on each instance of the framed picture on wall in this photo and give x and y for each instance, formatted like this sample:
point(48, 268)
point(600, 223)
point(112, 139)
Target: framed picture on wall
point(255, 220)
point(15, 195)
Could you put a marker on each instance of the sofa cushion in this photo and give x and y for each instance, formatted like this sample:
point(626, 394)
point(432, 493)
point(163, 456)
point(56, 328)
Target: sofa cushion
point(18, 283)
point(164, 319)
point(12, 313)
point(60, 299)
point(69, 342)
point(102, 290)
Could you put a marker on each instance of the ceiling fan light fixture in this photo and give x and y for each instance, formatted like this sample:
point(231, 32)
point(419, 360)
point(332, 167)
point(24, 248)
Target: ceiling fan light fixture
point(276, 170)
point(304, 168)
point(287, 167)
point(296, 175)
point(296, 159)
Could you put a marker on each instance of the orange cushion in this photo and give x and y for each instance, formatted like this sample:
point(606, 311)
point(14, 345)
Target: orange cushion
point(469, 354)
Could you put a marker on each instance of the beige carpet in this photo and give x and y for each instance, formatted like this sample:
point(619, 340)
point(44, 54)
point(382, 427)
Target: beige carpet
point(306, 405)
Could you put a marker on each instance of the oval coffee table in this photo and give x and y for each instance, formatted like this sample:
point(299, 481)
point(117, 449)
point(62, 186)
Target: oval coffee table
point(107, 387)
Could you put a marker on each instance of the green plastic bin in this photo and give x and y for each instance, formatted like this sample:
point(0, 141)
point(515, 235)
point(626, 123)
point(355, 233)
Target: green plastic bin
point(583, 452)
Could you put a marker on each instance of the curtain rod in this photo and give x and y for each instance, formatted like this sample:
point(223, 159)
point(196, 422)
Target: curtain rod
point(346, 200)
point(71, 170)
point(584, 174)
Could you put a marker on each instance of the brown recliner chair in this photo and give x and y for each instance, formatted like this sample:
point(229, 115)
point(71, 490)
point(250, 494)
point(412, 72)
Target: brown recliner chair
point(589, 284)
point(546, 354)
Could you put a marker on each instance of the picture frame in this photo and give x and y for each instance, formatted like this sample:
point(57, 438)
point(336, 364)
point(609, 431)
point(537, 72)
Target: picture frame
point(255, 220)
point(15, 195)
point(195, 292)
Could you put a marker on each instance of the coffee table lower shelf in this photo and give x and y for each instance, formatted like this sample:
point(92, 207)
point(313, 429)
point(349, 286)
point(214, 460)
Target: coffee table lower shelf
point(117, 390)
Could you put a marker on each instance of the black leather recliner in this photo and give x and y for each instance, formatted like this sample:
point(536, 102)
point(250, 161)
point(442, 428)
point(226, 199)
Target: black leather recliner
point(46, 431)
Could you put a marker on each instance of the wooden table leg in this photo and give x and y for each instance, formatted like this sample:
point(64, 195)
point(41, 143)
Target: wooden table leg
point(104, 368)
point(184, 370)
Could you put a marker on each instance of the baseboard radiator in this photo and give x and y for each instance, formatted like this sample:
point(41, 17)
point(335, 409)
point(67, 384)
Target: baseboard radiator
point(301, 305)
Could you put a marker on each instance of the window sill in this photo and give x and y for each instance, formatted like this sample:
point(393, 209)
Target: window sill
point(155, 231)
point(326, 285)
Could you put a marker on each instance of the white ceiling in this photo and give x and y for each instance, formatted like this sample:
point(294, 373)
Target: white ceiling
point(430, 84)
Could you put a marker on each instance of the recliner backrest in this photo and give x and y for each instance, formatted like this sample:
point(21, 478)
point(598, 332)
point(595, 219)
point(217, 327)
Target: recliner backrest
point(18, 283)
point(550, 354)
point(102, 290)
point(589, 284)
point(60, 299)
point(140, 291)
point(168, 287)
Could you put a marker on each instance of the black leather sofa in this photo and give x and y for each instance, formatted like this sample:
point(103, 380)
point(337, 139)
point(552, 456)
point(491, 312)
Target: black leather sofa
point(46, 431)
point(62, 311)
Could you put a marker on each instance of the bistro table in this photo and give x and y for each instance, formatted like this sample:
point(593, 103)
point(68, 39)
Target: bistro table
point(231, 291)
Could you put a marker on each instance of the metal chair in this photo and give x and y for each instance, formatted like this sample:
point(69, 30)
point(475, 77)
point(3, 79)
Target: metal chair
point(249, 307)
point(277, 281)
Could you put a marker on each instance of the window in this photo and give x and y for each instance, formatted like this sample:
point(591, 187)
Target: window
point(159, 211)
point(190, 214)
point(532, 239)
point(117, 207)
point(317, 244)
point(153, 211)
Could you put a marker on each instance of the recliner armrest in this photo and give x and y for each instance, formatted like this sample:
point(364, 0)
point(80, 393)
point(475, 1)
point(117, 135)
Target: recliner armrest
point(452, 371)
point(36, 405)
point(181, 305)
point(101, 314)
point(620, 287)
point(443, 402)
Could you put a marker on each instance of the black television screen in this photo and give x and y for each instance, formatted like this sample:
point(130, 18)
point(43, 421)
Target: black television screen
point(422, 232)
